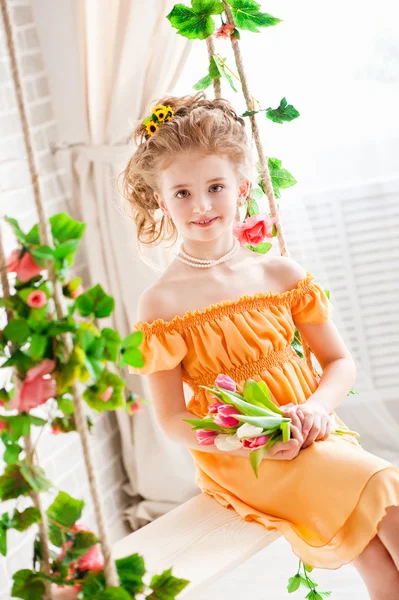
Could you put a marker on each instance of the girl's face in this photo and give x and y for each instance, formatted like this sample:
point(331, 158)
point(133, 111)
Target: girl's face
point(198, 187)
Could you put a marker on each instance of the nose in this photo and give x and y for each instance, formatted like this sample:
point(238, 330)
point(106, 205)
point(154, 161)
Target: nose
point(202, 205)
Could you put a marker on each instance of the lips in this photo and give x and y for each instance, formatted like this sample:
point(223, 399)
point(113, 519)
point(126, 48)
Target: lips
point(203, 221)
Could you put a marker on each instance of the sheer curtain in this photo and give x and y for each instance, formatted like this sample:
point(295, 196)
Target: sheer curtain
point(339, 66)
point(106, 62)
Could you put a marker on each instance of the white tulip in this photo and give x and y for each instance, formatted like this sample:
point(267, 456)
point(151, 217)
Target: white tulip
point(249, 431)
point(227, 442)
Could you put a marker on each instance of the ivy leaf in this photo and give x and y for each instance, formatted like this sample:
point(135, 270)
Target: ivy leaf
point(281, 178)
point(307, 582)
point(131, 570)
point(95, 302)
point(217, 70)
point(13, 484)
point(3, 539)
point(63, 228)
point(23, 520)
point(69, 372)
point(293, 583)
point(19, 425)
point(313, 595)
point(166, 586)
point(249, 113)
point(65, 510)
point(246, 15)
point(203, 83)
point(82, 542)
point(262, 248)
point(38, 346)
point(28, 585)
point(112, 343)
point(11, 453)
point(307, 568)
point(17, 331)
point(19, 234)
point(285, 112)
point(35, 476)
point(114, 593)
point(107, 379)
point(196, 22)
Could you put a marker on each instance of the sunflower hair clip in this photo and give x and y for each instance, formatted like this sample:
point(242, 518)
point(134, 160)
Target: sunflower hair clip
point(160, 114)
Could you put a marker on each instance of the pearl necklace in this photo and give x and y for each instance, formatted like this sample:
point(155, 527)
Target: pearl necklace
point(205, 263)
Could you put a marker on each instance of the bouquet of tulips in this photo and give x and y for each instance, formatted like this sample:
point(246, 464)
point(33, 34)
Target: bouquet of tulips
point(251, 420)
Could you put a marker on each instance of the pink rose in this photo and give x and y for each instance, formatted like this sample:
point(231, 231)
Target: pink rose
point(214, 408)
point(24, 266)
point(107, 394)
point(225, 382)
point(205, 437)
point(255, 443)
point(225, 31)
point(224, 418)
point(36, 299)
point(35, 389)
point(79, 290)
point(254, 229)
point(92, 559)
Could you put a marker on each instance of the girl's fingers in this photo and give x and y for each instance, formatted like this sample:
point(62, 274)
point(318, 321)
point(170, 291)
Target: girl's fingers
point(284, 450)
point(314, 432)
point(297, 434)
point(307, 425)
point(323, 430)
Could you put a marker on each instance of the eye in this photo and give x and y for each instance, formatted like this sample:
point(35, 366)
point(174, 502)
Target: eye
point(217, 185)
point(181, 192)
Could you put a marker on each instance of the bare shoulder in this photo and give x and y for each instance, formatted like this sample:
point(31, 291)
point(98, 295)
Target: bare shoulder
point(154, 303)
point(285, 271)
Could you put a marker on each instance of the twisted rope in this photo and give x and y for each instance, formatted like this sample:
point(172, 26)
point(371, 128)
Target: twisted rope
point(46, 238)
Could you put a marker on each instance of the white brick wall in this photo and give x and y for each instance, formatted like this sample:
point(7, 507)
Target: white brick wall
point(60, 455)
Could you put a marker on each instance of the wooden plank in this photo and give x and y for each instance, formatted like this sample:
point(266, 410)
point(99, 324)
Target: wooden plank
point(200, 540)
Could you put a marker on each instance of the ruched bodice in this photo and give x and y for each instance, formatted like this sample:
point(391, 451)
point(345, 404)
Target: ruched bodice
point(329, 500)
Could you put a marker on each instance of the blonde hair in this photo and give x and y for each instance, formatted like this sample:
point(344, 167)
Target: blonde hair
point(198, 124)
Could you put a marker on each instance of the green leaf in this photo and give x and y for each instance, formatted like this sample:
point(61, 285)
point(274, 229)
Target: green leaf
point(249, 406)
point(65, 510)
point(58, 327)
point(294, 583)
point(35, 476)
point(133, 357)
point(19, 359)
point(307, 568)
point(307, 582)
point(95, 302)
point(204, 424)
point(281, 178)
point(285, 112)
point(19, 234)
point(11, 453)
point(112, 344)
point(262, 248)
point(166, 586)
point(66, 405)
point(246, 15)
point(133, 340)
point(82, 542)
point(249, 113)
point(19, 425)
point(3, 539)
point(17, 331)
point(38, 346)
point(255, 458)
point(195, 22)
point(313, 595)
point(131, 570)
point(217, 70)
point(23, 520)
point(63, 228)
point(13, 484)
point(114, 593)
point(203, 83)
point(28, 585)
point(92, 394)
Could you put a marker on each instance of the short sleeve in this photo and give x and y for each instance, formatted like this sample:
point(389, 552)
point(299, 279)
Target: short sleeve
point(311, 304)
point(161, 349)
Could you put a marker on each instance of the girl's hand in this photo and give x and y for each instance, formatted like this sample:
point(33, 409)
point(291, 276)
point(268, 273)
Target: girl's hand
point(288, 450)
point(315, 420)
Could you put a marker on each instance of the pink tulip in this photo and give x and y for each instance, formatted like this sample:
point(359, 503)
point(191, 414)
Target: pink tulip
point(214, 408)
point(205, 437)
point(107, 394)
point(254, 229)
point(35, 389)
point(255, 443)
point(225, 382)
point(36, 299)
point(224, 418)
point(79, 290)
point(24, 266)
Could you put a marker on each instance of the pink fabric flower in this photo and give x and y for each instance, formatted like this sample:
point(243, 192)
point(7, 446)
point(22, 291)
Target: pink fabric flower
point(37, 299)
point(25, 267)
point(35, 389)
point(225, 382)
point(79, 290)
point(255, 443)
point(107, 394)
point(92, 559)
point(3, 425)
point(65, 592)
point(56, 430)
point(205, 437)
point(214, 408)
point(134, 408)
point(224, 418)
point(225, 31)
point(254, 229)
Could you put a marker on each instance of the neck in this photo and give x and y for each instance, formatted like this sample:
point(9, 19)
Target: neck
point(209, 249)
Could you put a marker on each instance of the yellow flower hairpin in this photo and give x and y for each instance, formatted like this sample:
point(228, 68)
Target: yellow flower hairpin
point(160, 114)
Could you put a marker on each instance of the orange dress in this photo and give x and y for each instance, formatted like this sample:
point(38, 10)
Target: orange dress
point(328, 501)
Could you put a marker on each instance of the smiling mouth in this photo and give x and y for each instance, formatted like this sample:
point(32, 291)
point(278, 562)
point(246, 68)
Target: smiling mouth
point(204, 221)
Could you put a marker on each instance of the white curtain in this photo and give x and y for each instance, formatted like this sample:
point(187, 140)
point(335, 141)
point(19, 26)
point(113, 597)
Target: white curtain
point(106, 62)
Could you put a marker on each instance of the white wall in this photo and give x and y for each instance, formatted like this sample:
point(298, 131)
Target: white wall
point(60, 455)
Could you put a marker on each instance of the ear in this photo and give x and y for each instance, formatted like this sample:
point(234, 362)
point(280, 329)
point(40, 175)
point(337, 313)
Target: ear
point(159, 200)
point(243, 191)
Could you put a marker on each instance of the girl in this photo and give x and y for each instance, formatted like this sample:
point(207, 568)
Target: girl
point(221, 308)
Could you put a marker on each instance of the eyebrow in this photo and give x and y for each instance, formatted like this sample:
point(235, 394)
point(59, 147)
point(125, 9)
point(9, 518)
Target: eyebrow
point(183, 185)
